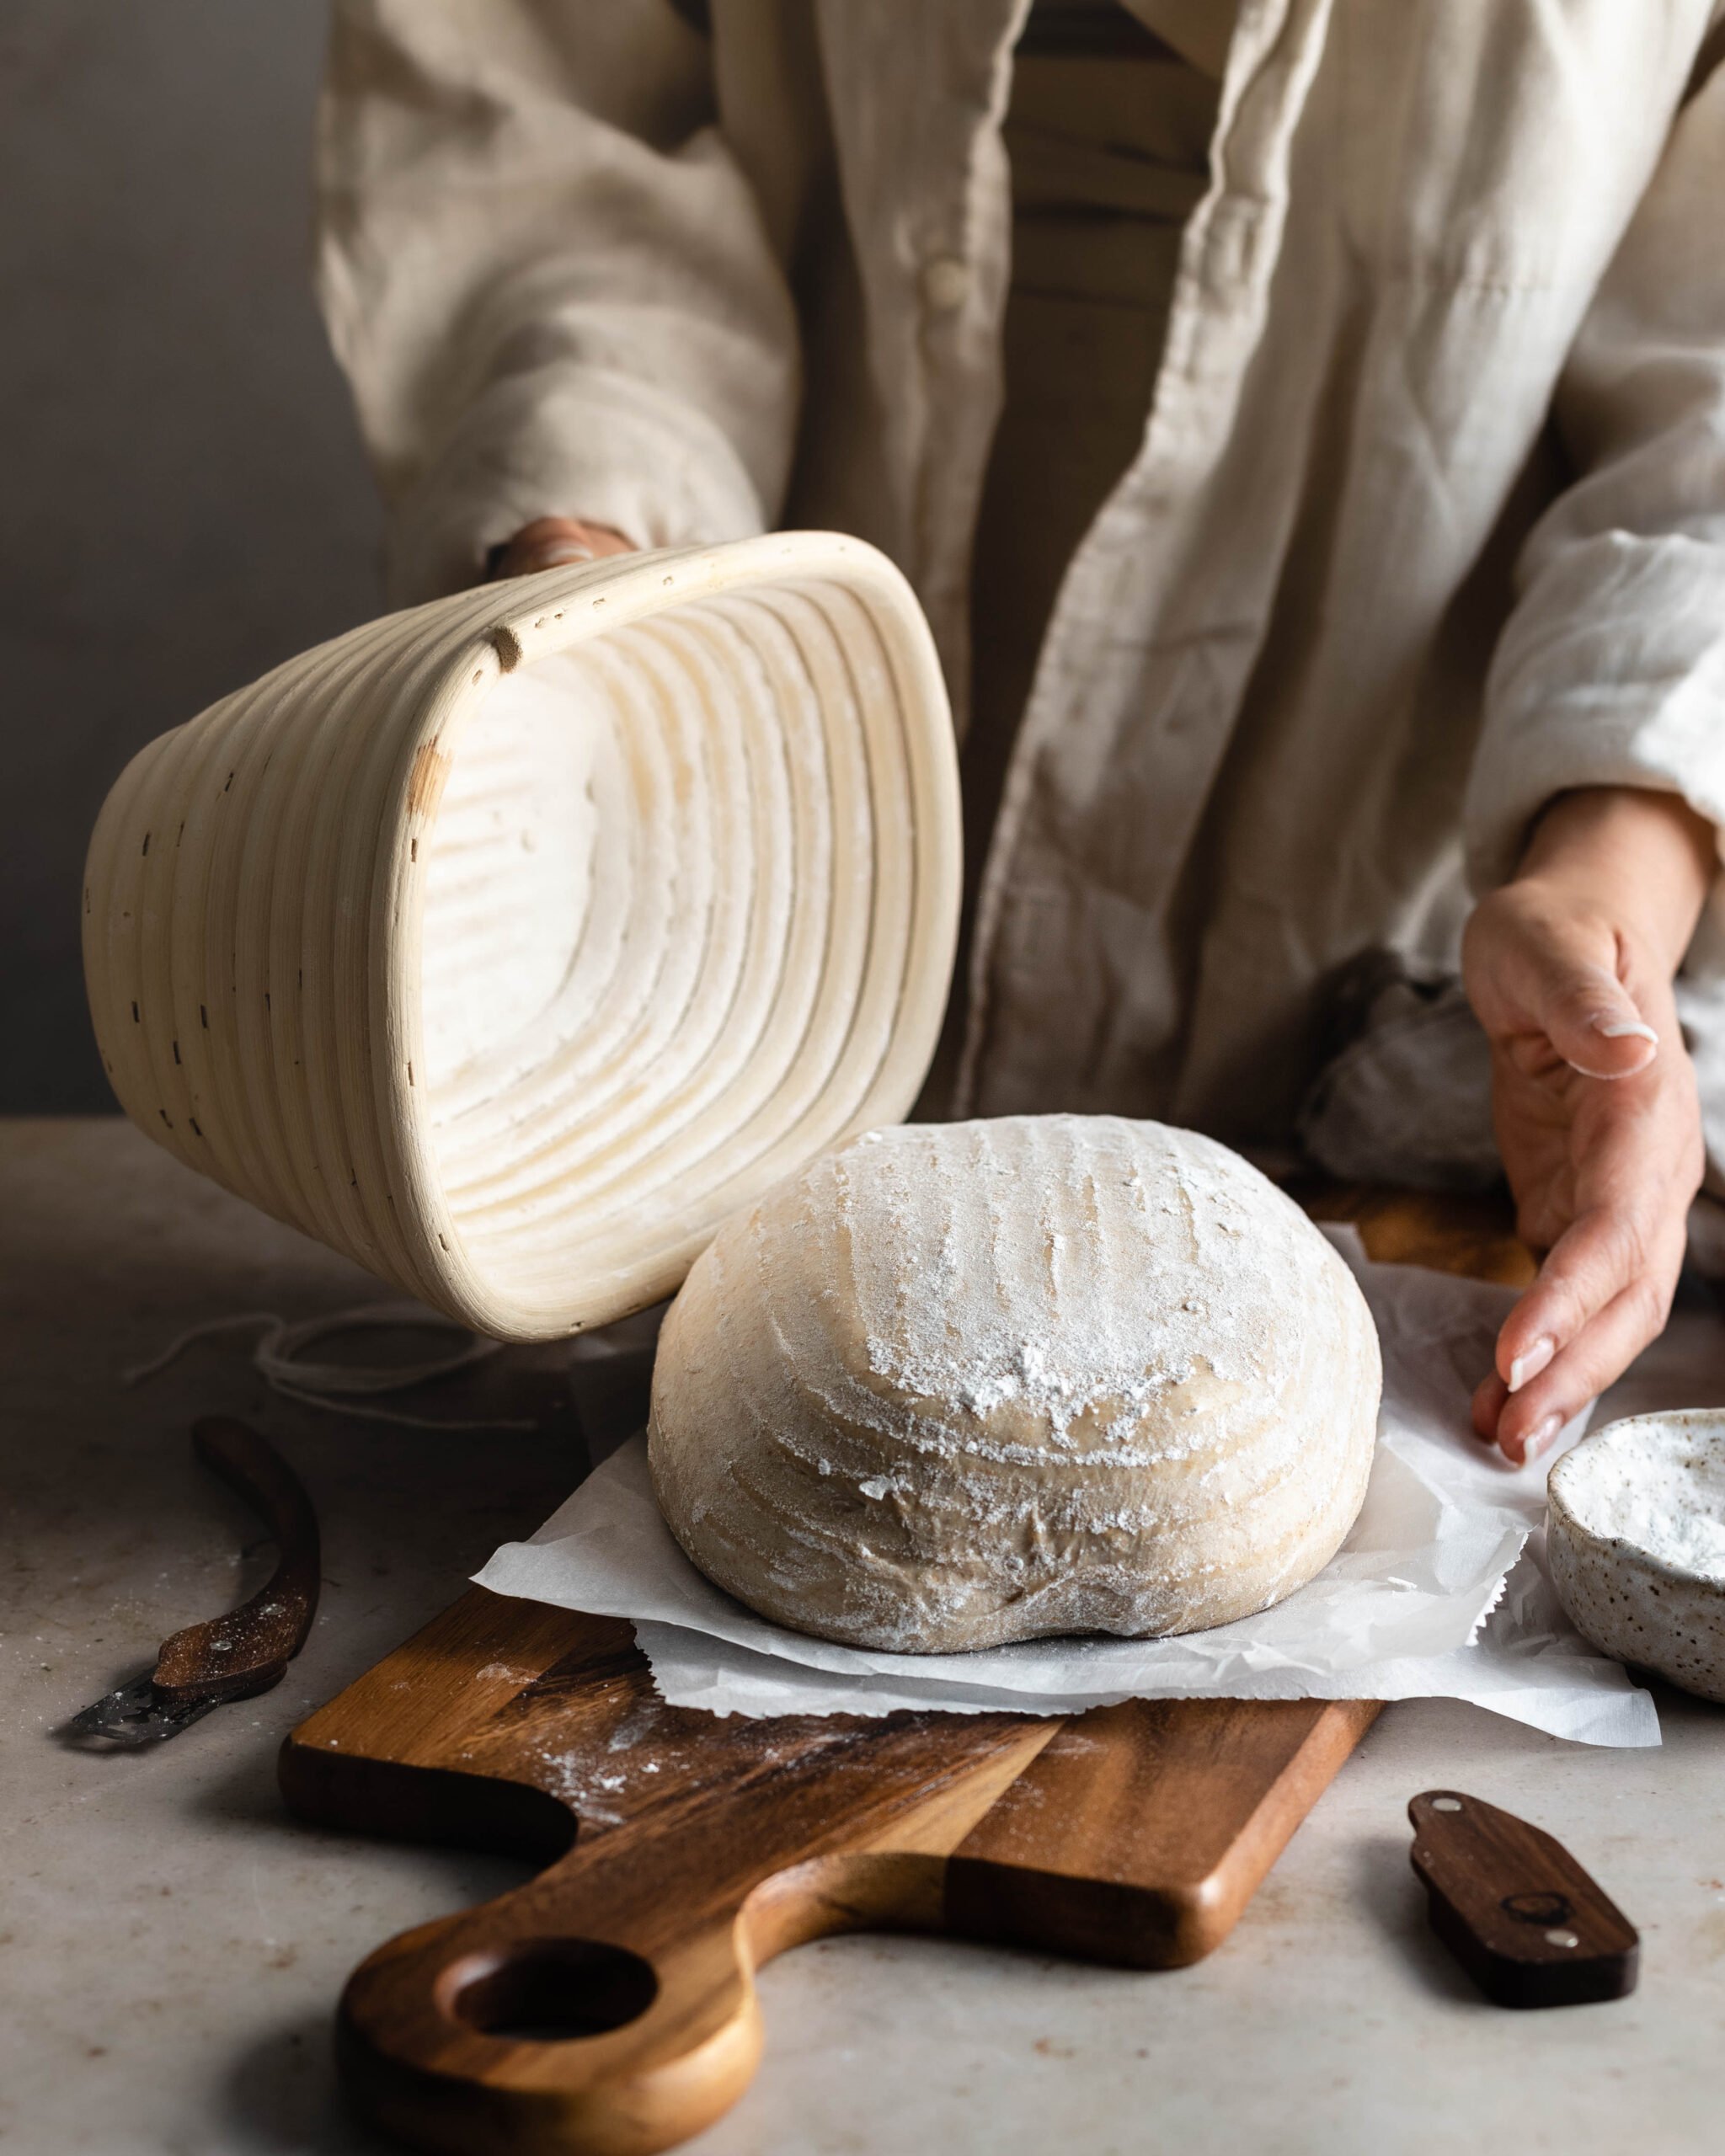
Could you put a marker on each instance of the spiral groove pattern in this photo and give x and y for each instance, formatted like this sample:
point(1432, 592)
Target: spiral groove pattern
point(508, 944)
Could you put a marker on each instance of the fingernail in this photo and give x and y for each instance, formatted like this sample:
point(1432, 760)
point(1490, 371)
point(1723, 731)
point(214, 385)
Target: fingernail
point(1624, 1029)
point(1525, 1368)
point(1540, 1436)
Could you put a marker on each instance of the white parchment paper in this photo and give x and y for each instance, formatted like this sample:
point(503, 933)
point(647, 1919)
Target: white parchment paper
point(1441, 1589)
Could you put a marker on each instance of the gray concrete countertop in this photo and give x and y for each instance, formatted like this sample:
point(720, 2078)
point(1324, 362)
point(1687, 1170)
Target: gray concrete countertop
point(172, 1944)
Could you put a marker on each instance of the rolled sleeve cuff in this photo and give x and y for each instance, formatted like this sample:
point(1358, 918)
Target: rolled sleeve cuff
point(591, 444)
point(1615, 677)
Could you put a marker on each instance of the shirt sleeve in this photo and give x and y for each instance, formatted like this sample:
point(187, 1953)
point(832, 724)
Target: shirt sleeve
point(546, 279)
point(1610, 671)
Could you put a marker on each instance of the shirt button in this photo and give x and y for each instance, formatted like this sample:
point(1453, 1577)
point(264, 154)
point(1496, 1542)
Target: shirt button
point(946, 282)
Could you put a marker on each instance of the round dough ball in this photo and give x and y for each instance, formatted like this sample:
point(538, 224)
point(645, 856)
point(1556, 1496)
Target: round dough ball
point(967, 1383)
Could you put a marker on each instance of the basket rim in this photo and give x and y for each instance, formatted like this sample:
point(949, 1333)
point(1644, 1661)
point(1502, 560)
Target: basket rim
point(547, 615)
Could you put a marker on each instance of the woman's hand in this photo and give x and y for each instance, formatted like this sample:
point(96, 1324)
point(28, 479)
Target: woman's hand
point(549, 540)
point(1569, 970)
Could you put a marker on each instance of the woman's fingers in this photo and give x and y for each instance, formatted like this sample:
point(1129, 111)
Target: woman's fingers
point(548, 542)
point(1488, 1400)
point(1592, 1263)
point(1531, 1420)
point(1606, 1284)
point(1601, 1296)
point(1547, 979)
point(1592, 1019)
point(1569, 970)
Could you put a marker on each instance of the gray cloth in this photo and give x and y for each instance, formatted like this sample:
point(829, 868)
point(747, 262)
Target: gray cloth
point(1407, 1100)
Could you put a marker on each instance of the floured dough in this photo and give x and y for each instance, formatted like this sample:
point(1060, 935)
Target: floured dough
point(964, 1384)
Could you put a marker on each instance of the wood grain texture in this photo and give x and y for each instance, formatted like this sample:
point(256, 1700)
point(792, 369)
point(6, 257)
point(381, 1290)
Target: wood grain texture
point(1134, 1835)
point(1473, 1234)
point(706, 1846)
point(1143, 1831)
point(1522, 1917)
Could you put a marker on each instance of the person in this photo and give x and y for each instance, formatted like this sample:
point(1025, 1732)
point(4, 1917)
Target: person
point(1304, 423)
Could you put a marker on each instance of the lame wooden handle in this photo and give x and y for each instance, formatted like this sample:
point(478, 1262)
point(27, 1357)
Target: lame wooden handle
point(1514, 1907)
point(249, 1650)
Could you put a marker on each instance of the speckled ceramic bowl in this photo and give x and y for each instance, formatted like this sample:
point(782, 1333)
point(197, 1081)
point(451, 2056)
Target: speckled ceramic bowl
point(1637, 1541)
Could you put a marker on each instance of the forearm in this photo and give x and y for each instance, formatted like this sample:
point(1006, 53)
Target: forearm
point(548, 280)
point(1643, 860)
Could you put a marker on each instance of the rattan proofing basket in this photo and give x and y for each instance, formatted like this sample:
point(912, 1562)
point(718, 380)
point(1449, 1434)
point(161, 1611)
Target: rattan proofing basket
point(508, 944)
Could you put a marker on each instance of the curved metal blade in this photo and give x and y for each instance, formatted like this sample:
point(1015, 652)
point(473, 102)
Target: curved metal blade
point(138, 1713)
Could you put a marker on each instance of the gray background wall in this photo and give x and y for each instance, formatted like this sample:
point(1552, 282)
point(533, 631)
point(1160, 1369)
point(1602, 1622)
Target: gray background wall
point(183, 501)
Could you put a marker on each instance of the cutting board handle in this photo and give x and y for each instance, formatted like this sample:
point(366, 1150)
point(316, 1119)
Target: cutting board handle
point(579, 2012)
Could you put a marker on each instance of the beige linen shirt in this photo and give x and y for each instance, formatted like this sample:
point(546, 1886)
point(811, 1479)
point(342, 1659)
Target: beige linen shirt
point(1426, 522)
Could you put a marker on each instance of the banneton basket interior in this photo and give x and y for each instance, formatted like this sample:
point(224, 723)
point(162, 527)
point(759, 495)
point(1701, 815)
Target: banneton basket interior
point(508, 944)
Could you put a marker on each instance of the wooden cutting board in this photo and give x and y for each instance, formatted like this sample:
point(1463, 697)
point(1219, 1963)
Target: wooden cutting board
point(607, 2007)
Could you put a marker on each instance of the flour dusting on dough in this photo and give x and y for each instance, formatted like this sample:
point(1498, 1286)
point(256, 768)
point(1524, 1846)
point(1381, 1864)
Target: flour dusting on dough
point(961, 1384)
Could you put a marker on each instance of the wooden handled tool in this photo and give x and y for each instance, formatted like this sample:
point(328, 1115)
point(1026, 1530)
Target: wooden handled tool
point(1515, 1908)
point(247, 1651)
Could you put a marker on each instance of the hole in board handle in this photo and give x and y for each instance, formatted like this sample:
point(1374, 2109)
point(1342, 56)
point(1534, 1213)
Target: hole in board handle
point(548, 1991)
